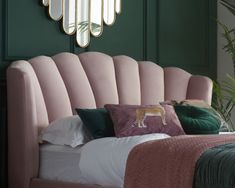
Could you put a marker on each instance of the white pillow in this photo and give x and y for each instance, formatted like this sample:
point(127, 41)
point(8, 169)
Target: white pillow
point(66, 131)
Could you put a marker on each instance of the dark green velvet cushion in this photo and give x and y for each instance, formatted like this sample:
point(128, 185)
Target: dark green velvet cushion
point(97, 121)
point(195, 120)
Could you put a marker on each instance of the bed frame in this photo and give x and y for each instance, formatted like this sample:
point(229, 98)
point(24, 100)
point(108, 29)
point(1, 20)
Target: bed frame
point(47, 88)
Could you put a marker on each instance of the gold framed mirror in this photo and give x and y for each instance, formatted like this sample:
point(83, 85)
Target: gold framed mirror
point(83, 17)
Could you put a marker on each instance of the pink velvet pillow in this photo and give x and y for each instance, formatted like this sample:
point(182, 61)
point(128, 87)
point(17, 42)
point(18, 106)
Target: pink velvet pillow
point(130, 120)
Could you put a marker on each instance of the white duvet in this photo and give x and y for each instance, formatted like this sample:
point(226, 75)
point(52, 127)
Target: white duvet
point(103, 161)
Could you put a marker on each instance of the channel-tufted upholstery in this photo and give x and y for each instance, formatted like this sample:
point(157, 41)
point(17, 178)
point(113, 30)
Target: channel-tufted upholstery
point(47, 88)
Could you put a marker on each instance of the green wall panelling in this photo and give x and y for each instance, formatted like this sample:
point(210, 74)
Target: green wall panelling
point(1, 34)
point(212, 40)
point(29, 31)
point(184, 35)
point(151, 30)
point(126, 36)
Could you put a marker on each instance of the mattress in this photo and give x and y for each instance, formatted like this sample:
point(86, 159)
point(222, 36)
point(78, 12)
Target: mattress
point(59, 163)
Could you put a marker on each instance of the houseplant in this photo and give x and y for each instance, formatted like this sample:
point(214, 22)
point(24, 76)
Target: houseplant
point(224, 92)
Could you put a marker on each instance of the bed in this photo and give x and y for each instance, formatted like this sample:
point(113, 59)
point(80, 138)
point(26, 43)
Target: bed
point(44, 89)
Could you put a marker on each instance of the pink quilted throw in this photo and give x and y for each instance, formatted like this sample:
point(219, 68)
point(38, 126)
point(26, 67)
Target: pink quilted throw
point(131, 120)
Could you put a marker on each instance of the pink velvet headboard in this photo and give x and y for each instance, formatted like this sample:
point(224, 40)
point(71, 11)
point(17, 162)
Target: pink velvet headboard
point(47, 88)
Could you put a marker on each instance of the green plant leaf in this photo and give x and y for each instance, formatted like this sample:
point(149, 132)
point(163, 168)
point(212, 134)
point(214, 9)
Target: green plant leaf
point(224, 92)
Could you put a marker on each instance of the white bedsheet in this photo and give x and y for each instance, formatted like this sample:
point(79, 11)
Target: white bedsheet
point(103, 161)
point(59, 163)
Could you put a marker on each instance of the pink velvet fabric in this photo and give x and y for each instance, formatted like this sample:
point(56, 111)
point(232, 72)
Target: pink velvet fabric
point(128, 80)
point(151, 83)
point(47, 88)
point(53, 88)
point(78, 86)
point(100, 71)
point(176, 83)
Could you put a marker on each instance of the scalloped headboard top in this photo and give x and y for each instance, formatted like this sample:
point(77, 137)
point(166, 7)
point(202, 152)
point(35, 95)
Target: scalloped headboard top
point(92, 79)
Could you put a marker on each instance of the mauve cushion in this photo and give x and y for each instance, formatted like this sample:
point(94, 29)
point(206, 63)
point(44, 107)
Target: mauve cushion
point(125, 120)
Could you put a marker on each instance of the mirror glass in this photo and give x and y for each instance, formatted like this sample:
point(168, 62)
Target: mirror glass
point(109, 11)
point(83, 31)
point(55, 9)
point(45, 2)
point(83, 17)
point(96, 22)
point(69, 16)
point(118, 6)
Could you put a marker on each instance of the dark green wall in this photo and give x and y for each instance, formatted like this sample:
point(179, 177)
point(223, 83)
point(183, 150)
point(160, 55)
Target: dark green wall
point(171, 33)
